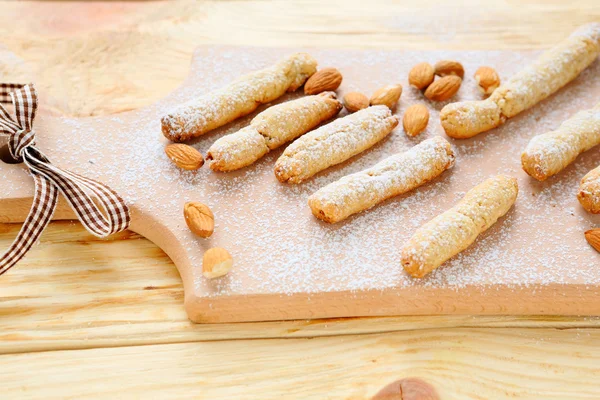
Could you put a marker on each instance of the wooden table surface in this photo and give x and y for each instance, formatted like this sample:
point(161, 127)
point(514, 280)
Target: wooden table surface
point(83, 317)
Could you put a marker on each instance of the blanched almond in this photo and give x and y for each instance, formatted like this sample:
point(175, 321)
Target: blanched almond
point(216, 263)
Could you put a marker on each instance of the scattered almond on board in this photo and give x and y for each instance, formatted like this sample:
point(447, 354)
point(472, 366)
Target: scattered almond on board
point(184, 156)
point(487, 78)
point(444, 88)
point(449, 67)
point(593, 238)
point(421, 75)
point(387, 96)
point(199, 218)
point(415, 119)
point(216, 262)
point(324, 80)
point(355, 101)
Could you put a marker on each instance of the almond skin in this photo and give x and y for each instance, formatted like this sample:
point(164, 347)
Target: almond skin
point(199, 218)
point(593, 238)
point(487, 78)
point(387, 96)
point(184, 156)
point(407, 389)
point(415, 119)
point(449, 67)
point(421, 75)
point(355, 101)
point(216, 263)
point(324, 80)
point(444, 88)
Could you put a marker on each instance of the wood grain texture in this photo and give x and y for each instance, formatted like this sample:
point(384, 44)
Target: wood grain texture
point(459, 363)
point(51, 310)
point(135, 53)
point(124, 291)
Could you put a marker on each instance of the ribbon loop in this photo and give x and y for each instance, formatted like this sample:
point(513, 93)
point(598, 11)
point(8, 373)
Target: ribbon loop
point(106, 215)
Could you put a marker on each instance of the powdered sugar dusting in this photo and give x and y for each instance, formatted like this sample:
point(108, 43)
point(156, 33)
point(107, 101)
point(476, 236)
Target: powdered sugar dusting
point(280, 248)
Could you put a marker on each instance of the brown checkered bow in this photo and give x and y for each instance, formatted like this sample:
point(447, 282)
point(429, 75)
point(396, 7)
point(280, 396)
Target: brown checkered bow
point(50, 180)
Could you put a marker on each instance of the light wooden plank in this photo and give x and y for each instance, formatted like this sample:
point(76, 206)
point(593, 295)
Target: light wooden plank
point(75, 291)
point(460, 363)
point(107, 66)
point(52, 311)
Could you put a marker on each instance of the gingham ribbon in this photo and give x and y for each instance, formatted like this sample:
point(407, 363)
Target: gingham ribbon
point(79, 191)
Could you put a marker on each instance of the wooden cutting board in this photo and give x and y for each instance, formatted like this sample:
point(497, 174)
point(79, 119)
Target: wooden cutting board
point(287, 264)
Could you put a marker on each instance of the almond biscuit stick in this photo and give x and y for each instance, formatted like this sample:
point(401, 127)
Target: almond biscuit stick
point(550, 72)
point(395, 175)
point(270, 129)
point(551, 152)
point(334, 143)
point(456, 229)
point(237, 99)
point(589, 191)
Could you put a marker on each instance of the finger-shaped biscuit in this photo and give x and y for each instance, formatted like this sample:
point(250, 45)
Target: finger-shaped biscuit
point(395, 175)
point(463, 118)
point(456, 229)
point(551, 152)
point(270, 129)
point(237, 150)
point(551, 71)
point(285, 122)
point(237, 99)
point(334, 143)
point(589, 191)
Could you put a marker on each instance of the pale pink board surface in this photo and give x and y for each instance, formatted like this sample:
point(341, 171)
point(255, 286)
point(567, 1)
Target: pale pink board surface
point(287, 264)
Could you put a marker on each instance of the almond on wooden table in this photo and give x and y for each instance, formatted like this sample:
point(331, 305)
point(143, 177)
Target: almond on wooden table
point(324, 80)
point(216, 262)
point(444, 88)
point(355, 101)
point(487, 78)
point(449, 67)
point(387, 96)
point(415, 119)
point(593, 238)
point(199, 218)
point(421, 75)
point(184, 156)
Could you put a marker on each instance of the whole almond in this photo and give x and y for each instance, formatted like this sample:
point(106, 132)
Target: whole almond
point(199, 218)
point(415, 119)
point(593, 238)
point(444, 88)
point(487, 78)
point(326, 79)
point(387, 96)
point(355, 101)
point(449, 67)
point(184, 156)
point(216, 262)
point(407, 389)
point(421, 75)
